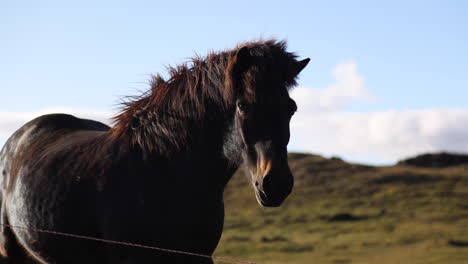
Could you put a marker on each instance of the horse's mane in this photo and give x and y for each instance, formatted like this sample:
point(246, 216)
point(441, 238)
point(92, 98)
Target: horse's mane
point(202, 89)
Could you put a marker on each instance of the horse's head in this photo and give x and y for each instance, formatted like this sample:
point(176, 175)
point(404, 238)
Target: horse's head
point(262, 113)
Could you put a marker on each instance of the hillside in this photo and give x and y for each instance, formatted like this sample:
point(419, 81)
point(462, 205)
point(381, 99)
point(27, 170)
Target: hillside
point(349, 213)
point(436, 160)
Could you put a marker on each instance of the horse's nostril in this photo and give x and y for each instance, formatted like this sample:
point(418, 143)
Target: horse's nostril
point(256, 183)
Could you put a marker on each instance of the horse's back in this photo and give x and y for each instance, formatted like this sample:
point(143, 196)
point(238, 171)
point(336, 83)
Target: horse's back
point(57, 122)
point(51, 123)
point(21, 181)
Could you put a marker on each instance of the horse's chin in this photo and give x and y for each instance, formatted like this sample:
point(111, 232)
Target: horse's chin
point(264, 201)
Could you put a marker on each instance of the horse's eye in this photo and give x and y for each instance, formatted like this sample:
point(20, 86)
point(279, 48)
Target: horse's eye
point(243, 107)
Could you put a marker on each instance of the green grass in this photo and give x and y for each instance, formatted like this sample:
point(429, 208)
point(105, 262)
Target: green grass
point(405, 215)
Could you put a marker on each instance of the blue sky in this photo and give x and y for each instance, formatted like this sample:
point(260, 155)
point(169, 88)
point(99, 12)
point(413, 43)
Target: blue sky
point(403, 57)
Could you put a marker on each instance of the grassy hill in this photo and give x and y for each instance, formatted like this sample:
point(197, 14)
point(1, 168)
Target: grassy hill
point(348, 213)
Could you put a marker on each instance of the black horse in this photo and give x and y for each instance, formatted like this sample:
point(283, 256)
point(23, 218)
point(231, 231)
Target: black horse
point(157, 176)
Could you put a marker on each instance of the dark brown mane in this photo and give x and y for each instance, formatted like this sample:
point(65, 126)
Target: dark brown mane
point(203, 89)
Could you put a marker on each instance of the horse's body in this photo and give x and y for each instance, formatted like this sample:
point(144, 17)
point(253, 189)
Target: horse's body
point(53, 190)
point(155, 178)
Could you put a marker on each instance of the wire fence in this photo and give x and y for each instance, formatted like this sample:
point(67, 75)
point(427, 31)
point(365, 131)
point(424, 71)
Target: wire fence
point(108, 241)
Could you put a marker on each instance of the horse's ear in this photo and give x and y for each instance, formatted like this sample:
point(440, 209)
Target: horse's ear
point(240, 60)
point(237, 64)
point(299, 66)
point(243, 57)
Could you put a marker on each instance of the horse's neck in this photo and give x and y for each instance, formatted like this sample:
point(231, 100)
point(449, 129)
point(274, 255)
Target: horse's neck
point(201, 164)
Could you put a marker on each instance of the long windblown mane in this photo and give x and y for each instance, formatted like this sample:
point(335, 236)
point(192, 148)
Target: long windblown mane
point(204, 89)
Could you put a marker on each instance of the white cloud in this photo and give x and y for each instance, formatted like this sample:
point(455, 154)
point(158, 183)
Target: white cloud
point(380, 136)
point(322, 125)
point(348, 87)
